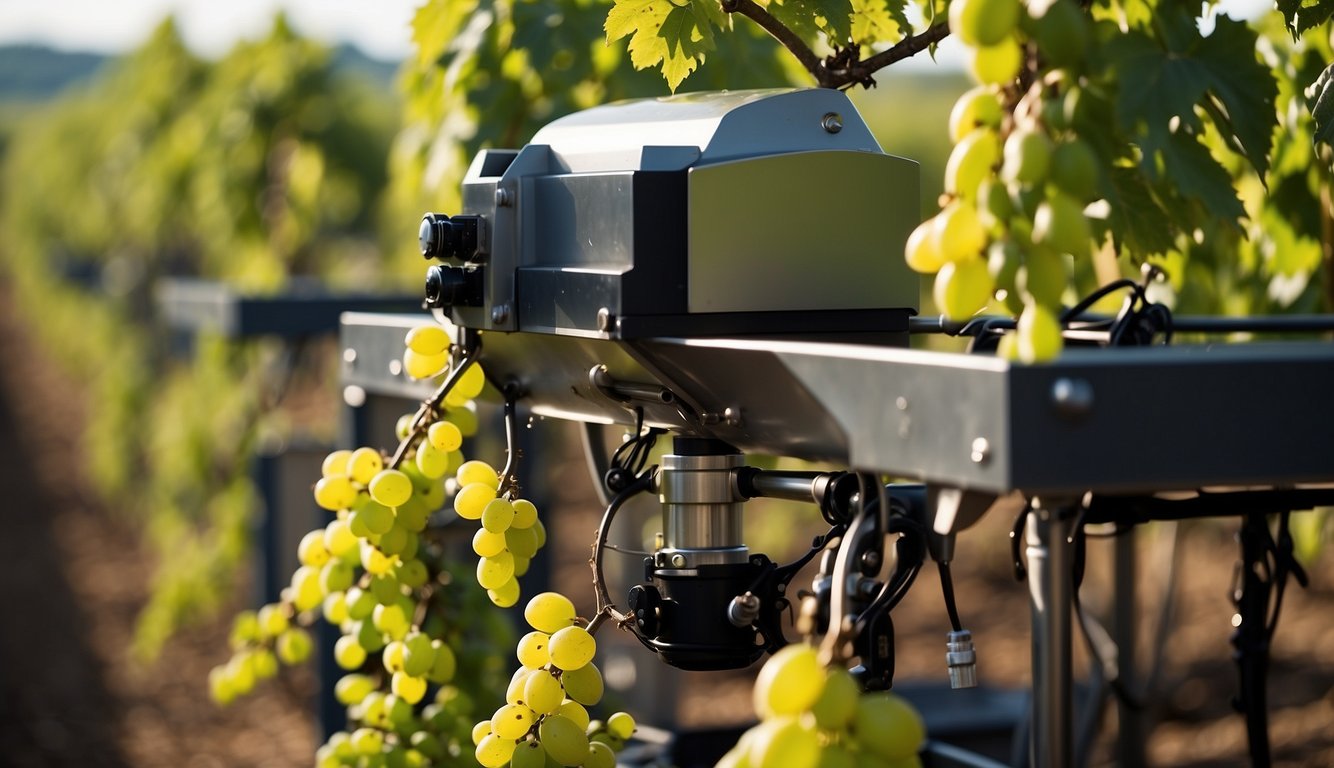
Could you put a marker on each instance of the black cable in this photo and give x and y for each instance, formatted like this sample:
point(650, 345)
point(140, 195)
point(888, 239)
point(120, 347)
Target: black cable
point(947, 589)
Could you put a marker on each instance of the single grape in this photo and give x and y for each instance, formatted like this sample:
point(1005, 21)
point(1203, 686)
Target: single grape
point(1027, 156)
point(529, 754)
point(477, 472)
point(1062, 33)
point(487, 544)
point(385, 588)
point(471, 382)
point(572, 648)
point(515, 690)
point(272, 621)
point(837, 703)
point(493, 572)
point(430, 461)
point(403, 426)
point(498, 515)
point(541, 533)
point(335, 492)
point(838, 756)
point(888, 726)
point(983, 22)
point(532, 650)
point(463, 418)
point(420, 366)
point(427, 340)
point(392, 658)
point(521, 542)
point(1059, 224)
point(360, 603)
point(367, 741)
point(245, 630)
point(996, 64)
point(373, 560)
point(1074, 170)
point(599, 756)
point(443, 663)
point(412, 573)
point(339, 539)
point(334, 608)
point(335, 576)
point(921, 251)
point(512, 721)
point(493, 751)
point(789, 682)
point(412, 517)
point(311, 549)
point(1039, 334)
point(427, 744)
point(364, 464)
point(584, 685)
point(481, 731)
point(963, 288)
point(549, 612)
point(348, 653)
point(543, 693)
point(525, 514)
point(471, 500)
point(621, 725)
point(412, 689)
point(575, 712)
point(335, 464)
point(391, 620)
point(444, 436)
point(959, 234)
point(971, 161)
point(507, 594)
point(306, 592)
point(351, 689)
point(369, 636)
point(785, 742)
point(394, 540)
point(563, 740)
point(418, 654)
point(390, 487)
point(978, 107)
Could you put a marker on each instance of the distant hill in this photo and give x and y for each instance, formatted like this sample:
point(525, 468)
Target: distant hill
point(30, 73)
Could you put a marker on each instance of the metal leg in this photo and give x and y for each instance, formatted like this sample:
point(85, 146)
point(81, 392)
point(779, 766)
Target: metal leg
point(1049, 587)
point(1131, 734)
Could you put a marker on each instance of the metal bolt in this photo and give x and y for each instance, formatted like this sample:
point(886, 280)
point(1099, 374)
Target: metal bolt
point(832, 122)
point(871, 561)
point(605, 320)
point(901, 403)
point(503, 198)
point(678, 561)
point(1072, 397)
point(981, 452)
point(354, 396)
point(395, 367)
point(350, 356)
point(743, 610)
point(500, 313)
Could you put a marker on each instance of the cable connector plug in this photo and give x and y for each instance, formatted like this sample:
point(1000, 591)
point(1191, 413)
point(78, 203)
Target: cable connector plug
point(961, 659)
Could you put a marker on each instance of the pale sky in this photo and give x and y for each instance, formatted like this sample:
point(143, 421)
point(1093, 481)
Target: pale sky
point(211, 27)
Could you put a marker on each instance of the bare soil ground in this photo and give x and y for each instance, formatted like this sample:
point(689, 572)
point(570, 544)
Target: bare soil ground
point(73, 575)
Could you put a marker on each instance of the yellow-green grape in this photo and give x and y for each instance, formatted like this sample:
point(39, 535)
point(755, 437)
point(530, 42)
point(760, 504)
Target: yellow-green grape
point(599, 756)
point(564, 741)
point(521, 564)
point(334, 607)
point(983, 22)
point(420, 366)
point(543, 693)
point(471, 500)
point(621, 725)
point(393, 541)
point(311, 549)
point(265, 664)
point(549, 612)
point(481, 731)
point(477, 472)
point(335, 492)
point(1059, 224)
point(575, 712)
point(377, 517)
point(971, 161)
point(418, 654)
point(978, 107)
point(525, 514)
point(584, 685)
point(1039, 334)
point(392, 658)
point(507, 594)
point(351, 689)
point(294, 646)
point(335, 464)
point(373, 560)
point(391, 620)
point(493, 751)
point(521, 542)
point(1027, 156)
point(219, 687)
point(348, 653)
point(339, 540)
point(241, 673)
point(837, 756)
point(245, 630)
point(410, 688)
point(390, 487)
point(272, 621)
point(1074, 170)
point(572, 648)
point(963, 288)
point(364, 464)
point(493, 572)
point(367, 741)
point(427, 340)
point(514, 691)
point(385, 588)
point(431, 461)
point(921, 252)
point(487, 544)
point(412, 517)
point(785, 742)
point(444, 436)
point(789, 682)
point(532, 650)
point(412, 573)
point(541, 533)
point(360, 603)
point(1043, 275)
point(529, 754)
point(512, 721)
point(994, 207)
point(428, 745)
point(1061, 32)
point(471, 383)
point(369, 635)
point(837, 703)
point(996, 64)
point(404, 425)
point(306, 592)
point(498, 515)
point(335, 576)
point(888, 726)
point(443, 665)
point(464, 418)
point(959, 234)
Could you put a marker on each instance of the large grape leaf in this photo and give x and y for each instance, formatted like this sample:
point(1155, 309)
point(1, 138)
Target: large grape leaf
point(675, 34)
point(1164, 78)
point(434, 25)
point(808, 18)
point(1301, 15)
point(1137, 221)
point(1320, 99)
point(875, 21)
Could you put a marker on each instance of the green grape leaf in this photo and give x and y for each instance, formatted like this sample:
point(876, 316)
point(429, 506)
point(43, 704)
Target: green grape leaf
point(1301, 15)
point(1320, 100)
point(677, 36)
point(1164, 78)
point(1137, 221)
point(1195, 173)
point(808, 18)
point(435, 25)
point(876, 21)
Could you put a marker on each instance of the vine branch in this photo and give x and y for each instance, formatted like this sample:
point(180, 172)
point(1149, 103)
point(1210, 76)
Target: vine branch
point(606, 609)
point(422, 419)
point(845, 67)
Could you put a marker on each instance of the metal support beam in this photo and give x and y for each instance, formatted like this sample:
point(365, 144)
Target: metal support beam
point(1131, 733)
point(1049, 587)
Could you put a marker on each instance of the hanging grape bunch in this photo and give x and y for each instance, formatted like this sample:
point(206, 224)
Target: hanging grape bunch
point(1017, 181)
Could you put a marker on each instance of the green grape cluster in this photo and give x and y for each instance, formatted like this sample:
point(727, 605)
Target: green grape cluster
point(510, 533)
point(813, 717)
point(1019, 178)
point(391, 732)
point(544, 720)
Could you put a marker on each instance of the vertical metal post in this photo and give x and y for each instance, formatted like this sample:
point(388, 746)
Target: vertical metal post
point(1049, 588)
point(1130, 740)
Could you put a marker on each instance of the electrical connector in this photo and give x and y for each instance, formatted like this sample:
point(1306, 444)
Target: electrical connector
point(961, 659)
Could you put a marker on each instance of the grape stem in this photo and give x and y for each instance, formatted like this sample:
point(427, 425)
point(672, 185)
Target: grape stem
point(844, 67)
point(467, 348)
point(606, 609)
